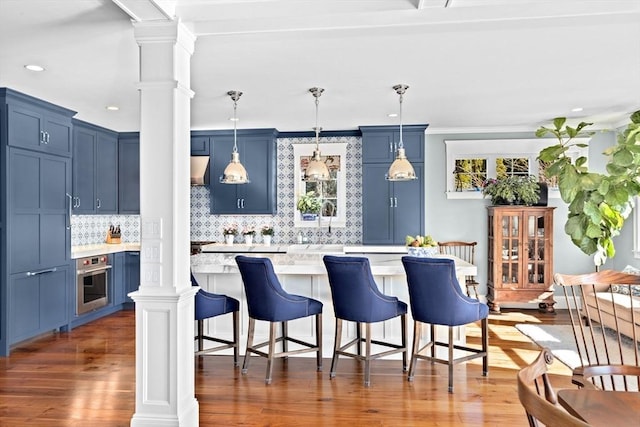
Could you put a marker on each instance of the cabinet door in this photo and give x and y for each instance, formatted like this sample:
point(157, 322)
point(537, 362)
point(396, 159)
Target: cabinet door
point(57, 134)
point(25, 127)
point(200, 146)
point(38, 232)
point(132, 266)
point(258, 197)
point(379, 143)
point(84, 153)
point(118, 278)
point(408, 210)
point(224, 199)
point(106, 172)
point(377, 205)
point(55, 298)
point(377, 147)
point(129, 176)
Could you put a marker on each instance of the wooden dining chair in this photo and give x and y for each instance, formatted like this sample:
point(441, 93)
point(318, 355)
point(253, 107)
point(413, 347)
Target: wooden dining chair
point(538, 397)
point(605, 317)
point(465, 251)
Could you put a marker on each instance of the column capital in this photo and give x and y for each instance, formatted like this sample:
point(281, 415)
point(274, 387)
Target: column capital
point(174, 32)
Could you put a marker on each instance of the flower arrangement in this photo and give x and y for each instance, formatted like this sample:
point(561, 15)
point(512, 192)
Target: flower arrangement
point(249, 230)
point(230, 229)
point(267, 230)
point(514, 189)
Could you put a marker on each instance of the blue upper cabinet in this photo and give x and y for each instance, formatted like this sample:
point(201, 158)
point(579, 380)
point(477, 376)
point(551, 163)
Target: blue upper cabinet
point(129, 173)
point(95, 169)
point(257, 148)
point(200, 143)
point(391, 210)
point(38, 125)
point(379, 143)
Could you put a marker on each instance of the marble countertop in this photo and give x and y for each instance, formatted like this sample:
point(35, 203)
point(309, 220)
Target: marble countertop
point(304, 248)
point(311, 264)
point(102, 248)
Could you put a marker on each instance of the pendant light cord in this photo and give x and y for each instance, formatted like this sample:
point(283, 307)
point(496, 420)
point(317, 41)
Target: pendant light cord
point(401, 144)
point(235, 126)
point(317, 128)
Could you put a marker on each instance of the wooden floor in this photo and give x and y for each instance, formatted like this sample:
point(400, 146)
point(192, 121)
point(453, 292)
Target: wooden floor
point(87, 378)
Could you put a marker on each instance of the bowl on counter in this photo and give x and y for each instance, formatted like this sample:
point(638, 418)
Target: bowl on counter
point(422, 252)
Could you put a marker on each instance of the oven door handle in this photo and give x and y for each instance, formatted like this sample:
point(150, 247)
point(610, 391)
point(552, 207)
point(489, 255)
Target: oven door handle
point(93, 270)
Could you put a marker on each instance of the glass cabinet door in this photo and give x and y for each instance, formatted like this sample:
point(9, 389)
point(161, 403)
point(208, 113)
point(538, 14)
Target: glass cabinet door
point(510, 243)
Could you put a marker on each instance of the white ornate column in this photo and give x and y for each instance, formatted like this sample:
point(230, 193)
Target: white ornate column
point(164, 302)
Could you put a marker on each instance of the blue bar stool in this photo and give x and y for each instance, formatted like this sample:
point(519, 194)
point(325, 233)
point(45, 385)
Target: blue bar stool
point(266, 300)
point(436, 298)
point(356, 298)
point(208, 305)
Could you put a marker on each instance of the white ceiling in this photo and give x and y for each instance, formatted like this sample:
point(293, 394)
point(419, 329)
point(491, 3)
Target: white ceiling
point(474, 65)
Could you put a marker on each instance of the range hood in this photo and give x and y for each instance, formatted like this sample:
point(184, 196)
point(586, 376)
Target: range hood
point(199, 170)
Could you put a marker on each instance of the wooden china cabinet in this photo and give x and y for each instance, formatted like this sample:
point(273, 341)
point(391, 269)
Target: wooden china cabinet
point(520, 254)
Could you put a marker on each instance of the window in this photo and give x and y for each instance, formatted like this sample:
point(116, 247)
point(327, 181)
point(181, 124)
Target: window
point(332, 192)
point(471, 162)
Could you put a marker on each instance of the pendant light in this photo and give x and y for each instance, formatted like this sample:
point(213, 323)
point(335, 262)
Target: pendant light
point(316, 169)
point(234, 173)
point(401, 169)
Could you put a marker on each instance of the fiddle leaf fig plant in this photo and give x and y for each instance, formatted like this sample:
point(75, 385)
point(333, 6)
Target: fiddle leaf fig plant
point(599, 203)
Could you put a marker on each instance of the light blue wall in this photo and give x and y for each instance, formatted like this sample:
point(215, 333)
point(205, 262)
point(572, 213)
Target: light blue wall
point(466, 219)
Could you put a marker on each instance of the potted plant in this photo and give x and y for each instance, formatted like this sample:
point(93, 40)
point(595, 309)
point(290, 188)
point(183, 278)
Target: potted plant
point(267, 234)
point(512, 190)
point(309, 206)
point(599, 203)
point(229, 231)
point(248, 232)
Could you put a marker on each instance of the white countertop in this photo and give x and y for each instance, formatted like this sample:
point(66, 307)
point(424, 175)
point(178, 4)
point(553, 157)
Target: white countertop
point(304, 248)
point(102, 248)
point(311, 264)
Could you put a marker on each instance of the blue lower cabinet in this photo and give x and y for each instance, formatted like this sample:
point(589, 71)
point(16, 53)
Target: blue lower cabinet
point(132, 273)
point(38, 302)
point(118, 278)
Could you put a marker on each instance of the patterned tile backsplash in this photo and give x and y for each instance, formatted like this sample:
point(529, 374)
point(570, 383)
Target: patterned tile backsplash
point(205, 226)
point(92, 229)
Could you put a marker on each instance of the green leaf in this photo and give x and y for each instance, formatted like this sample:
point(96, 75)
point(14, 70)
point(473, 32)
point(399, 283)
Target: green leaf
point(583, 125)
point(623, 157)
point(593, 231)
point(635, 117)
point(590, 181)
point(617, 196)
point(571, 132)
point(552, 153)
point(558, 122)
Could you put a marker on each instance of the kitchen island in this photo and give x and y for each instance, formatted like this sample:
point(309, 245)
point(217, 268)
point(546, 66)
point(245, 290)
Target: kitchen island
point(301, 271)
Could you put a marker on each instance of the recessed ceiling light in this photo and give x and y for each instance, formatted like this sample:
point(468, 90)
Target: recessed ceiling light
point(577, 109)
point(392, 115)
point(112, 108)
point(34, 67)
point(234, 119)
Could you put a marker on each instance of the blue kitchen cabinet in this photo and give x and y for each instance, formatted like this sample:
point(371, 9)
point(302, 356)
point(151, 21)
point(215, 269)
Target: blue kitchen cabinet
point(39, 302)
point(129, 173)
point(257, 148)
point(379, 143)
point(95, 169)
point(200, 144)
point(132, 273)
point(117, 279)
point(391, 210)
point(38, 207)
point(38, 125)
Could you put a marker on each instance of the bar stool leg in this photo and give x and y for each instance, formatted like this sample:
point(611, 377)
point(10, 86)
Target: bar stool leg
point(336, 348)
point(236, 338)
point(417, 331)
point(367, 358)
point(272, 350)
point(319, 341)
point(247, 353)
point(450, 359)
point(403, 320)
point(200, 334)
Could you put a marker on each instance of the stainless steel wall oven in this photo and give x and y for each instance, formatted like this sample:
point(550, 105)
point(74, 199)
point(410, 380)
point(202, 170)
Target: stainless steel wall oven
point(93, 283)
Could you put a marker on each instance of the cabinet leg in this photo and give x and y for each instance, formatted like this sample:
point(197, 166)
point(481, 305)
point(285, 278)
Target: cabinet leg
point(494, 307)
point(547, 307)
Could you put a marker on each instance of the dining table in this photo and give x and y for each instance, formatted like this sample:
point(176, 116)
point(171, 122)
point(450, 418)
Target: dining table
point(602, 407)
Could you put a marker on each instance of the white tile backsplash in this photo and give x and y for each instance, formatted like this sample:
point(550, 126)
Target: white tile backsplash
point(92, 229)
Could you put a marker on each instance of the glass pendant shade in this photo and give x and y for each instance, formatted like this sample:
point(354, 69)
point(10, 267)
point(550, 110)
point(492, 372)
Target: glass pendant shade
point(401, 169)
point(234, 173)
point(316, 170)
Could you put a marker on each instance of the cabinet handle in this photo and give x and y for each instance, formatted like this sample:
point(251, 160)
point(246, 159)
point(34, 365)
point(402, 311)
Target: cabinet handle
point(46, 137)
point(242, 204)
point(48, 270)
point(99, 204)
point(42, 136)
point(390, 147)
point(69, 213)
point(133, 253)
point(237, 203)
point(395, 202)
point(390, 202)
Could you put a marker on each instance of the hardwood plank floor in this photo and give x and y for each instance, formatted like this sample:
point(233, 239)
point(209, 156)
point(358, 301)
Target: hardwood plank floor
point(87, 377)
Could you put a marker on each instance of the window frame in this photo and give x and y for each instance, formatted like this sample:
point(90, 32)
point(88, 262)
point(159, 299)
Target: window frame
point(491, 149)
point(326, 149)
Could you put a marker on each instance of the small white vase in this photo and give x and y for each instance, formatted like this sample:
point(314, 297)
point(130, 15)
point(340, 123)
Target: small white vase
point(248, 239)
point(228, 238)
point(267, 239)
